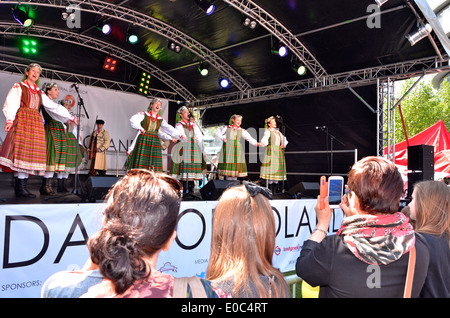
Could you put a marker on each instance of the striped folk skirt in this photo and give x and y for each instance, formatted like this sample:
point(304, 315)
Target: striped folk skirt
point(24, 148)
point(147, 153)
point(55, 135)
point(187, 163)
point(274, 165)
point(71, 148)
point(232, 160)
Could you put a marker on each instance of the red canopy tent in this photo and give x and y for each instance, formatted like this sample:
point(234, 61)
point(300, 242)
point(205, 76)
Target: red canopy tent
point(435, 135)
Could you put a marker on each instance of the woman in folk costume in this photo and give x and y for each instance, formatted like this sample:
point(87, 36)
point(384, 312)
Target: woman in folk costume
point(24, 148)
point(232, 158)
point(187, 156)
point(100, 143)
point(145, 152)
point(55, 135)
point(273, 167)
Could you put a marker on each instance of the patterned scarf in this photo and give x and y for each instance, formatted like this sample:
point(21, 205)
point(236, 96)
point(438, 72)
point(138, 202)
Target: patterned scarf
point(378, 239)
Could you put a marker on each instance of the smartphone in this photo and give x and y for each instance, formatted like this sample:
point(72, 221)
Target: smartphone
point(323, 190)
point(335, 190)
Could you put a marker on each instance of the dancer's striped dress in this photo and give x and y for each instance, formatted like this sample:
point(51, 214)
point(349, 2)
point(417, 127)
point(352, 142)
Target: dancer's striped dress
point(187, 155)
point(232, 157)
point(55, 135)
point(71, 148)
point(274, 164)
point(147, 153)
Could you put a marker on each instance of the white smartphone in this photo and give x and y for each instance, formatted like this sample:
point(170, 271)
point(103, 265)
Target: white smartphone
point(335, 191)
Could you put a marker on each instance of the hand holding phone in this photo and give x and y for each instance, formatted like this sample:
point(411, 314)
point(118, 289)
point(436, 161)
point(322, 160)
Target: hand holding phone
point(323, 190)
point(335, 190)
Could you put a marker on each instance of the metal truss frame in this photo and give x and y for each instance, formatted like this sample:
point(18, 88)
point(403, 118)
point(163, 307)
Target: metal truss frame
point(295, 46)
point(386, 118)
point(87, 41)
point(11, 67)
point(362, 77)
point(150, 23)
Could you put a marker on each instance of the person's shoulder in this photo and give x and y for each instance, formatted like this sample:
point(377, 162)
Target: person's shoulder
point(61, 283)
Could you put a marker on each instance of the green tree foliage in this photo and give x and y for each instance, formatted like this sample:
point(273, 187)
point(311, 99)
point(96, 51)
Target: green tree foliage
point(423, 107)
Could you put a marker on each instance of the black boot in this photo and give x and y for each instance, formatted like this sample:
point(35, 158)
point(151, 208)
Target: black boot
point(46, 187)
point(62, 186)
point(22, 191)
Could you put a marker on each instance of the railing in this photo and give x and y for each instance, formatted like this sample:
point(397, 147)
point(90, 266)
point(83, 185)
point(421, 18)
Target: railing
point(292, 280)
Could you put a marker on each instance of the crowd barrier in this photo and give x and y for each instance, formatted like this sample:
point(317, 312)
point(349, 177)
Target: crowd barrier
point(39, 240)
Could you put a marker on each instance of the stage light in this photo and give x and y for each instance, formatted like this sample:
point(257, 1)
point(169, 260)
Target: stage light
point(22, 17)
point(29, 46)
point(110, 64)
point(203, 69)
point(174, 46)
point(206, 6)
point(144, 83)
point(105, 28)
point(380, 2)
point(132, 35)
point(300, 69)
point(423, 32)
point(224, 83)
point(280, 50)
point(249, 22)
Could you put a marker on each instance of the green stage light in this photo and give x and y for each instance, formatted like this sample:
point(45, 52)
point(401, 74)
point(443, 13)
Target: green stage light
point(144, 83)
point(29, 46)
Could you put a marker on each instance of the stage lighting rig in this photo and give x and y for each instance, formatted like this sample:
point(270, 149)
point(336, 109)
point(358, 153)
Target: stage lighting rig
point(206, 6)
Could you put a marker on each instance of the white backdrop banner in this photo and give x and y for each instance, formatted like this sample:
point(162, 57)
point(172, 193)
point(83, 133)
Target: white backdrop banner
point(114, 107)
point(39, 240)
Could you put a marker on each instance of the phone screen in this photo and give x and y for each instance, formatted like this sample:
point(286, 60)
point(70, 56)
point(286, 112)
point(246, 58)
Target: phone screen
point(335, 189)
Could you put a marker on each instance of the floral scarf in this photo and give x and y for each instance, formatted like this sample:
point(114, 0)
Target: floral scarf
point(378, 239)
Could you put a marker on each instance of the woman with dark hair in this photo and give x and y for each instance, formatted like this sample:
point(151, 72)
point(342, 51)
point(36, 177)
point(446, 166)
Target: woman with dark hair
point(24, 149)
point(430, 208)
point(369, 256)
point(243, 243)
point(140, 219)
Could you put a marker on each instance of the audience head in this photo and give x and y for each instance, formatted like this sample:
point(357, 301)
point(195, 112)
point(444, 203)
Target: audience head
point(243, 237)
point(430, 207)
point(377, 184)
point(140, 218)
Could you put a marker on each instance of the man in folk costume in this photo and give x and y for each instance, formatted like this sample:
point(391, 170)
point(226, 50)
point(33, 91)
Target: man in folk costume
point(187, 164)
point(145, 151)
point(273, 167)
point(101, 141)
point(24, 149)
point(232, 157)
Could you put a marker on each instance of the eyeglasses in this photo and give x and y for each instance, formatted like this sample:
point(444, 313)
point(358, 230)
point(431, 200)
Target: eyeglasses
point(174, 183)
point(254, 189)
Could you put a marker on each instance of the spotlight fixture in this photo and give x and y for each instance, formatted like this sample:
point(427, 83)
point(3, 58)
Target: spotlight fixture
point(144, 83)
point(249, 22)
point(423, 32)
point(22, 16)
point(104, 27)
point(110, 64)
point(300, 69)
point(206, 6)
point(380, 2)
point(132, 35)
point(203, 69)
point(174, 46)
point(224, 83)
point(280, 50)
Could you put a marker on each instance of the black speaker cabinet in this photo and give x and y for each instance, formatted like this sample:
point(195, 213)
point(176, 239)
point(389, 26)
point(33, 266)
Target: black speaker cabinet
point(414, 177)
point(214, 188)
point(305, 190)
point(421, 157)
point(98, 187)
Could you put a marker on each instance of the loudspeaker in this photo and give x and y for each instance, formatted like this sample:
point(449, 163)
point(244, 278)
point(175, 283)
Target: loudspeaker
point(98, 187)
point(421, 157)
point(214, 188)
point(414, 177)
point(305, 190)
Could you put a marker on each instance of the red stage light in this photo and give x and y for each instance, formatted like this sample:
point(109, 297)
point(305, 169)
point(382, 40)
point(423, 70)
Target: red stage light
point(110, 64)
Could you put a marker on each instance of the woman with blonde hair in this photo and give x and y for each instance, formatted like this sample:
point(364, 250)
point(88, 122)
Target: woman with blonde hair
point(429, 208)
point(243, 243)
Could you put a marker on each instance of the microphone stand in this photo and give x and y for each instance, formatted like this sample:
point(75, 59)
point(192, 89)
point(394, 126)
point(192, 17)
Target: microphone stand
point(332, 138)
point(76, 178)
point(283, 131)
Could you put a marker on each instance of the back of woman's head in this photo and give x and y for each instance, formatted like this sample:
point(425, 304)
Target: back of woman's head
point(243, 240)
point(432, 205)
point(378, 185)
point(140, 216)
